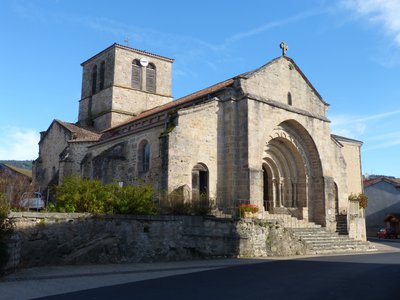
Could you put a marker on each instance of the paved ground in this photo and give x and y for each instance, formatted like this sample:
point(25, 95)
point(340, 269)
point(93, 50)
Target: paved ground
point(44, 281)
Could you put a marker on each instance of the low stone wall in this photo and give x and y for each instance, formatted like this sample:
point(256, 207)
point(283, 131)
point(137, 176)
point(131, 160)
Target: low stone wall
point(56, 238)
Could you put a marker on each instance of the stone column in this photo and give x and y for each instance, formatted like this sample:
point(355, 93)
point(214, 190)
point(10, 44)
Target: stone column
point(294, 194)
point(274, 193)
point(256, 187)
point(306, 207)
point(330, 199)
point(288, 192)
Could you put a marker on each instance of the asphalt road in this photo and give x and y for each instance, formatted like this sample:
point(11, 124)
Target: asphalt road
point(367, 276)
point(370, 276)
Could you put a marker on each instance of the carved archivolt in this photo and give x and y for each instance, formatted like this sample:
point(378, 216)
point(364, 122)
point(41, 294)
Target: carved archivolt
point(292, 140)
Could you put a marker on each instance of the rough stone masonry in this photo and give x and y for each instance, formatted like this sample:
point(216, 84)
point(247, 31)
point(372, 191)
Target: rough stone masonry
point(60, 238)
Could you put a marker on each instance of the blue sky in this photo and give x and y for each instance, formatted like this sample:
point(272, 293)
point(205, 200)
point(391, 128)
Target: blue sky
point(349, 50)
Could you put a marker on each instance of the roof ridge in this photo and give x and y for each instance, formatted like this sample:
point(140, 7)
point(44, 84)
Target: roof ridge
point(127, 48)
point(393, 181)
point(180, 101)
point(22, 171)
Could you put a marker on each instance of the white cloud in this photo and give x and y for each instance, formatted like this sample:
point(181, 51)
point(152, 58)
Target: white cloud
point(371, 129)
point(383, 140)
point(386, 136)
point(18, 144)
point(382, 145)
point(274, 24)
point(190, 47)
point(354, 126)
point(348, 126)
point(384, 13)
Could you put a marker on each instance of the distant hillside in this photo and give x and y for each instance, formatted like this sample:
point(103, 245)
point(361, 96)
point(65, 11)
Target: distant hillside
point(23, 164)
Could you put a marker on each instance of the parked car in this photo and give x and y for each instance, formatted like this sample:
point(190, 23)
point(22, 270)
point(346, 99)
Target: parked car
point(387, 233)
point(32, 201)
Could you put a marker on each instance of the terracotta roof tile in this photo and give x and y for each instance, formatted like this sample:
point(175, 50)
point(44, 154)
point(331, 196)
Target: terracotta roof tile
point(194, 96)
point(179, 102)
point(81, 134)
point(26, 172)
point(393, 181)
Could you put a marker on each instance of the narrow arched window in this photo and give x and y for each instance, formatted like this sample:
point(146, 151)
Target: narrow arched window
point(151, 78)
point(289, 98)
point(136, 80)
point(144, 156)
point(102, 71)
point(94, 79)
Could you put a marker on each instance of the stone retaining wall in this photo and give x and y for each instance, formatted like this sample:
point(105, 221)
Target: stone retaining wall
point(56, 238)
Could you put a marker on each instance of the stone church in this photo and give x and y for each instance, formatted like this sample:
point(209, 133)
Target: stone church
point(261, 137)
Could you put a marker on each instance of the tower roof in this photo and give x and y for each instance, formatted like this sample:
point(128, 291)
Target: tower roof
point(115, 45)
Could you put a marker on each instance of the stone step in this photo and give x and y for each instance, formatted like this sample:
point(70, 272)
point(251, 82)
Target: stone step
point(281, 210)
point(319, 241)
point(339, 248)
point(336, 244)
point(341, 221)
point(340, 251)
point(324, 238)
point(341, 224)
point(291, 222)
point(341, 227)
point(312, 231)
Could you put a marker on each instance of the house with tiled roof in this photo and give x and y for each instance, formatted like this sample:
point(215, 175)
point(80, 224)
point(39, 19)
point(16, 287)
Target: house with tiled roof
point(14, 181)
point(261, 137)
point(383, 200)
point(10, 170)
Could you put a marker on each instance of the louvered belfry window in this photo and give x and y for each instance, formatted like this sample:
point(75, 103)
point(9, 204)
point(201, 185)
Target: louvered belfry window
point(102, 71)
point(151, 78)
point(94, 79)
point(136, 75)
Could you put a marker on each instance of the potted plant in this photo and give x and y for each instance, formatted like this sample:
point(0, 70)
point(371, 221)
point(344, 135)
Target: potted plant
point(247, 210)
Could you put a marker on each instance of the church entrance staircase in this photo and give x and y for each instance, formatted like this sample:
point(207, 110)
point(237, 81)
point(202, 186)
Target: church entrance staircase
point(317, 239)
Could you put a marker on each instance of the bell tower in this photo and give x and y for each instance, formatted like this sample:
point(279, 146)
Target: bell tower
point(121, 82)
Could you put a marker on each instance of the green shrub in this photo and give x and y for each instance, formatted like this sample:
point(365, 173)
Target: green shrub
point(202, 206)
point(92, 196)
point(174, 204)
point(83, 195)
point(135, 200)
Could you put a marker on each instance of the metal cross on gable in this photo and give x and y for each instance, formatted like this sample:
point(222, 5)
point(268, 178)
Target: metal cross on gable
point(284, 48)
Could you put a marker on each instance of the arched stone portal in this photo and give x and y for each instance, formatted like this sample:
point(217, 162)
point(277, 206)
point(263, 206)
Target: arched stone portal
point(200, 182)
point(268, 188)
point(292, 174)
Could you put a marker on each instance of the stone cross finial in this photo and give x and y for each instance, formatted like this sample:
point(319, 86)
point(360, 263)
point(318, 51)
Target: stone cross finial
point(126, 41)
point(284, 48)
